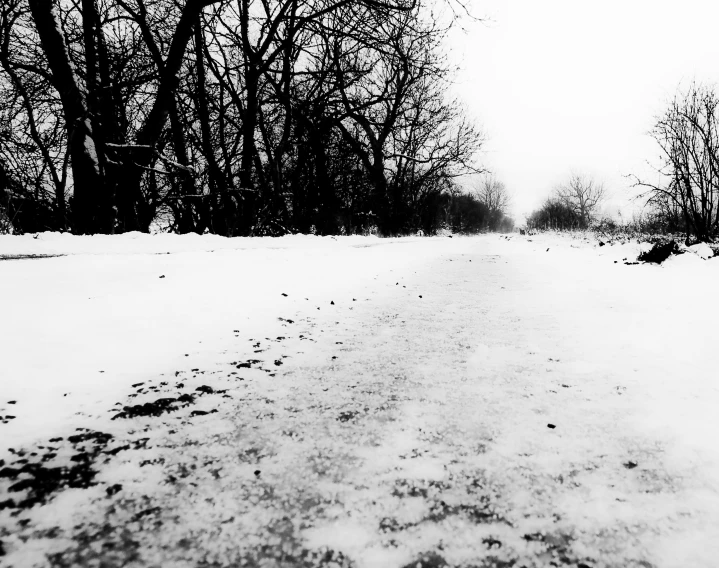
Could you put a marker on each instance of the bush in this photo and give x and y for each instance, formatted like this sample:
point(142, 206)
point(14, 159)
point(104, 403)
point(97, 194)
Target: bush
point(660, 252)
point(687, 196)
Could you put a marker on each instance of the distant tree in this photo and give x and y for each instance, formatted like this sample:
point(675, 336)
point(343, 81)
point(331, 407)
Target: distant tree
point(554, 214)
point(583, 196)
point(392, 82)
point(466, 213)
point(688, 136)
point(506, 225)
point(493, 193)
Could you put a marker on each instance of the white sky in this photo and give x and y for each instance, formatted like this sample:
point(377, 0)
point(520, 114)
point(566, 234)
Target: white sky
point(570, 85)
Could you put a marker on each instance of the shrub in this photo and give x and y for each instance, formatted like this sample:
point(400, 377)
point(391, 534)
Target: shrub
point(660, 252)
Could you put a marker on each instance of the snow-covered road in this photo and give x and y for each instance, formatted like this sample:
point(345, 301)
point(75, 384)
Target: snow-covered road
point(483, 401)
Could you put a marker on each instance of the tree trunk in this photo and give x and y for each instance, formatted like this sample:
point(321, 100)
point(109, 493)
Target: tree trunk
point(87, 210)
point(132, 204)
point(223, 208)
point(249, 124)
point(382, 204)
point(184, 220)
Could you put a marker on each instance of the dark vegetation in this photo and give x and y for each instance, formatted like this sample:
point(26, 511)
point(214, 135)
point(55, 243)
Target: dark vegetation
point(660, 252)
point(483, 210)
point(36, 475)
point(238, 117)
point(553, 214)
point(476, 212)
point(33, 478)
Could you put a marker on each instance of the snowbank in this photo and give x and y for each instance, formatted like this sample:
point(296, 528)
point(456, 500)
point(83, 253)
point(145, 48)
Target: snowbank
point(142, 243)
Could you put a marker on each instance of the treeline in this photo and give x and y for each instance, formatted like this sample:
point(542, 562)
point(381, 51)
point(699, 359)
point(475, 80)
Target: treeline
point(554, 215)
point(685, 199)
point(467, 213)
point(571, 205)
point(483, 209)
point(242, 117)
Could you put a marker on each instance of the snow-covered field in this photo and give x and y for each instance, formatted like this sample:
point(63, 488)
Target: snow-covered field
point(306, 401)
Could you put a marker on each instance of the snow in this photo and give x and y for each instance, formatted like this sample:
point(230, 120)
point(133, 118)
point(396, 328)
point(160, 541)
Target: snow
point(141, 243)
point(378, 427)
point(702, 250)
point(82, 328)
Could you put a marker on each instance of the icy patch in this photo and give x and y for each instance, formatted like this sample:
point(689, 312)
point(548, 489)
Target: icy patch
point(424, 468)
point(349, 537)
point(490, 359)
point(62, 510)
point(135, 476)
point(378, 557)
point(687, 549)
point(581, 368)
point(35, 552)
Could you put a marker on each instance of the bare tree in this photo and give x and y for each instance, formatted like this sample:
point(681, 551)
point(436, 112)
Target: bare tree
point(395, 114)
point(493, 193)
point(32, 141)
point(92, 154)
point(583, 195)
point(688, 135)
point(233, 116)
point(554, 214)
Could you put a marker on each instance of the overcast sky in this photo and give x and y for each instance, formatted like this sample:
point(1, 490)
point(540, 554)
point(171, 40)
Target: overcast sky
point(570, 85)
